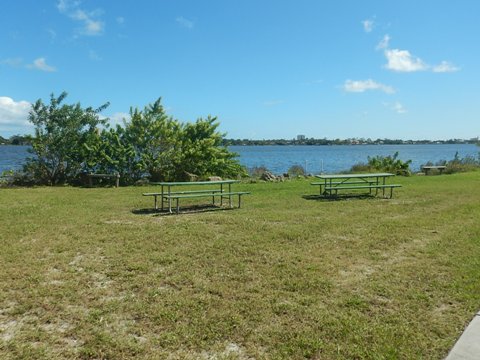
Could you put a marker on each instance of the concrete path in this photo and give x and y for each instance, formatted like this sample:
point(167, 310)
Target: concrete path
point(468, 346)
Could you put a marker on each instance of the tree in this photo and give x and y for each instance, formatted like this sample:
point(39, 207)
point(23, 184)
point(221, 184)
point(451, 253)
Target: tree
point(202, 152)
point(154, 137)
point(61, 133)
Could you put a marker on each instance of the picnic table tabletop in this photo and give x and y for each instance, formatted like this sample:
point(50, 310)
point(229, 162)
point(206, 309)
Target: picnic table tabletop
point(182, 183)
point(352, 176)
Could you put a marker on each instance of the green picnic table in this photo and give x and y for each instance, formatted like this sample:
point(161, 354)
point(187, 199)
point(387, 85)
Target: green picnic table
point(331, 184)
point(169, 191)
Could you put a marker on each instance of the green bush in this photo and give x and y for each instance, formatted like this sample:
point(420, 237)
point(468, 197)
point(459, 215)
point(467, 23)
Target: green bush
point(390, 163)
point(296, 170)
point(70, 141)
point(257, 171)
point(457, 164)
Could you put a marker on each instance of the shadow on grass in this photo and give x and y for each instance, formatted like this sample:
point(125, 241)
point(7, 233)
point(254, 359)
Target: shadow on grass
point(193, 209)
point(343, 197)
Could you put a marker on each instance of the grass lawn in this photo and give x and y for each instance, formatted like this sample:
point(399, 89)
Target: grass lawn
point(84, 274)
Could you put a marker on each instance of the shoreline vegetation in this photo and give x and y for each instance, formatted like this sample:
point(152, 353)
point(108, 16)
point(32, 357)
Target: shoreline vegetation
point(71, 141)
point(350, 141)
point(26, 140)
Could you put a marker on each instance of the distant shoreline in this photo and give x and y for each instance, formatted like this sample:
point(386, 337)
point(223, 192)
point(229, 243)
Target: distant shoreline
point(327, 142)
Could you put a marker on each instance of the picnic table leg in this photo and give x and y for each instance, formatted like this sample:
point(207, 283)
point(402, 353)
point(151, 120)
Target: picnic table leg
point(162, 198)
point(221, 197)
point(239, 200)
point(170, 200)
point(155, 202)
point(117, 181)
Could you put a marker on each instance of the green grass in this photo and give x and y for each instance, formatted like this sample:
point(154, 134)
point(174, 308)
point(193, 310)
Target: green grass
point(84, 274)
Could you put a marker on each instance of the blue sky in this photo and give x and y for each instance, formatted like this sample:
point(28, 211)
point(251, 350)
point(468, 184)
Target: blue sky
point(268, 69)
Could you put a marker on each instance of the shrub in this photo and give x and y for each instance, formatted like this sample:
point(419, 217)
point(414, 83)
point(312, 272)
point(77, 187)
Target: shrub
point(17, 178)
point(388, 163)
point(257, 171)
point(296, 170)
point(457, 164)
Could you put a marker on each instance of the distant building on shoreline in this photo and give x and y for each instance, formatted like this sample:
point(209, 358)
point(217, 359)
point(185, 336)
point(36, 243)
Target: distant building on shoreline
point(300, 137)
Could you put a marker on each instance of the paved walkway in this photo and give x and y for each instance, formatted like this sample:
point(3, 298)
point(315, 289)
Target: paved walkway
point(468, 346)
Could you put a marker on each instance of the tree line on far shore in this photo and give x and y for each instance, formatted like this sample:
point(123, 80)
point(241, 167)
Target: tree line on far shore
point(70, 140)
point(351, 141)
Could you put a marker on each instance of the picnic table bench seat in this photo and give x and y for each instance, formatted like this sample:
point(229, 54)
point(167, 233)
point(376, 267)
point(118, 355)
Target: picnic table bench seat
point(360, 187)
point(426, 168)
point(115, 176)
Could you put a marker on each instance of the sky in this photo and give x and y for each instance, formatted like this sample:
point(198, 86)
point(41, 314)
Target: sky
point(268, 69)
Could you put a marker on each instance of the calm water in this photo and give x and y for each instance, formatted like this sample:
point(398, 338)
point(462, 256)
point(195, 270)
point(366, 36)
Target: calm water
point(332, 159)
point(329, 159)
point(12, 157)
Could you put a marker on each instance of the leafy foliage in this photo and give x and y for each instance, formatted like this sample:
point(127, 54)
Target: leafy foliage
point(389, 163)
point(60, 134)
point(202, 152)
point(68, 141)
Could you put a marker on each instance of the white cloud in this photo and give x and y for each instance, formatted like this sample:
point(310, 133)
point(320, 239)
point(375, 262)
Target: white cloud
point(119, 118)
point(384, 43)
point(185, 22)
point(13, 113)
point(367, 25)
point(41, 64)
point(361, 86)
point(403, 61)
point(91, 25)
point(445, 66)
point(397, 107)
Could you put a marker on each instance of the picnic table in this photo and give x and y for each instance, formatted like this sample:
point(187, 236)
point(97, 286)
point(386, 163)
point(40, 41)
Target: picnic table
point(211, 189)
point(115, 176)
point(332, 184)
point(427, 168)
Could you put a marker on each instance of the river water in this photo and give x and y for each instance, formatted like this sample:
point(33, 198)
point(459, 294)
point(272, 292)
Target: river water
point(316, 159)
point(336, 158)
